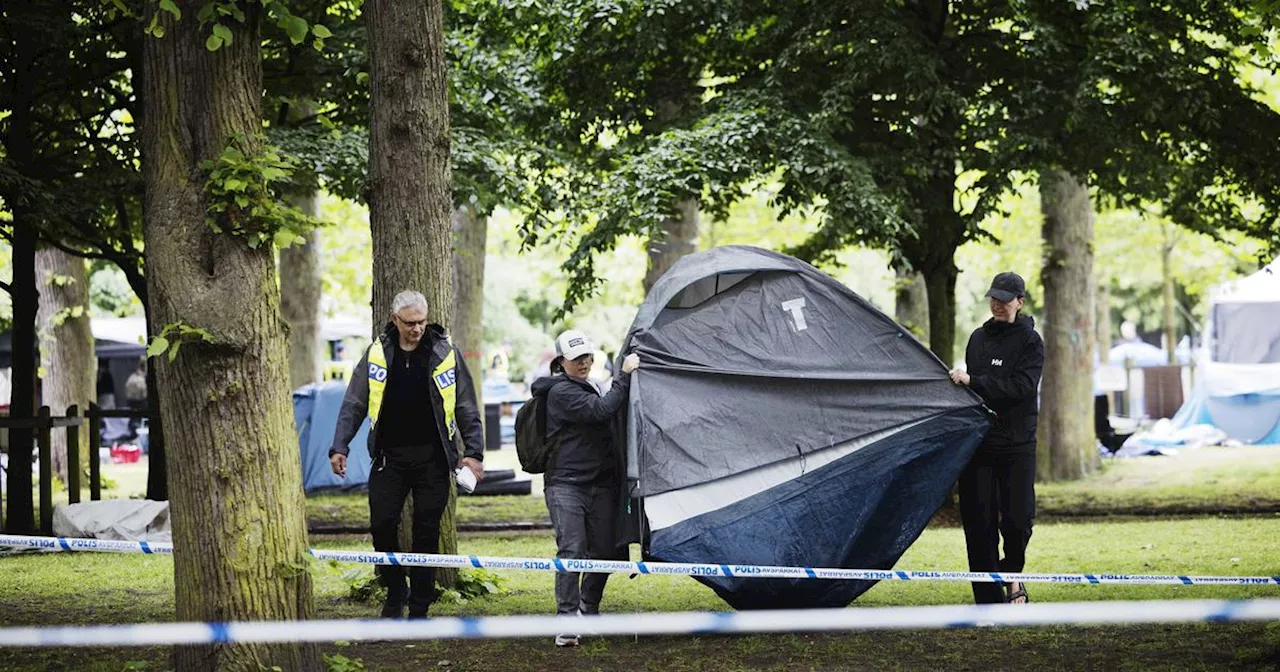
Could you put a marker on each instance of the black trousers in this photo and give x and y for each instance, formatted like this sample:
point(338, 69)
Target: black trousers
point(997, 498)
point(389, 484)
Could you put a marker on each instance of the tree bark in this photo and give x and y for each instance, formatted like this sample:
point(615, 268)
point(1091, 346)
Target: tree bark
point(409, 176)
point(470, 233)
point(240, 543)
point(679, 237)
point(912, 304)
point(1170, 321)
point(1066, 437)
point(66, 343)
point(300, 300)
point(1102, 337)
point(940, 285)
point(20, 514)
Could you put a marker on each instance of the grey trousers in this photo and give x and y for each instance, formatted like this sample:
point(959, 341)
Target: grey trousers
point(583, 517)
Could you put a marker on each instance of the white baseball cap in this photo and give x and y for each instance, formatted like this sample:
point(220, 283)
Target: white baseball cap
point(573, 344)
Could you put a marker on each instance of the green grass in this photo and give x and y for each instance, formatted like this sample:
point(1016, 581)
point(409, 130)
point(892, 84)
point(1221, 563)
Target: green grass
point(89, 588)
point(1205, 481)
point(1215, 479)
point(352, 510)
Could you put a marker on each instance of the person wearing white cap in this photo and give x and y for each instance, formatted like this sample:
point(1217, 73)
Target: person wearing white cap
point(582, 484)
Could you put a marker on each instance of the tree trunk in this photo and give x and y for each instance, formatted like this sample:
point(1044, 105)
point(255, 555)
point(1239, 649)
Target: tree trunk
point(300, 300)
point(470, 233)
point(66, 344)
point(1102, 337)
point(409, 179)
point(940, 284)
point(932, 251)
point(20, 515)
point(912, 305)
point(1166, 294)
point(1066, 436)
point(239, 532)
point(679, 237)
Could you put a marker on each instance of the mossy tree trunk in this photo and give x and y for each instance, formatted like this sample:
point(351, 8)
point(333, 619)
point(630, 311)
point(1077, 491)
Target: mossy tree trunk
point(66, 344)
point(300, 300)
point(911, 305)
point(1067, 445)
point(409, 179)
point(470, 232)
point(679, 237)
point(239, 533)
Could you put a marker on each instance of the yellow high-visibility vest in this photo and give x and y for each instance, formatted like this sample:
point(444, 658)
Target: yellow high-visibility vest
point(445, 377)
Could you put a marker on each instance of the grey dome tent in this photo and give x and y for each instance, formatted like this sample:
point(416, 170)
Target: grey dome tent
point(780, 419)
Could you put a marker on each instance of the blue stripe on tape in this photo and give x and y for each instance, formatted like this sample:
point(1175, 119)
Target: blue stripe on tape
point(471, 627)
point(1186, 580)
point(903, 575)
point(144, 546)
point(394, 560)
point(812, 574)
point(720, 621)
point(1092, 578)
point(997, 578)
point(219, 633)
point(727, 571)
point(559, 565)
point(1224, 614)
point(63, 542)
point(645, 570)
point(1276, 579)
point(475, 562)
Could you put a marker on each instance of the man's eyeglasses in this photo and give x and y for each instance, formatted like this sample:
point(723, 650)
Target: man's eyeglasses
point(411, 325)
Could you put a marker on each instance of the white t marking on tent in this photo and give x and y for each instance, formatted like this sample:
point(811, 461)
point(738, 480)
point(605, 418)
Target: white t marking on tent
point(796, 308)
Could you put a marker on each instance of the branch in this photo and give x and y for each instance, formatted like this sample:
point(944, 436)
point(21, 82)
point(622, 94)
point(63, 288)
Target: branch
point(84, 254)
point(6, 287)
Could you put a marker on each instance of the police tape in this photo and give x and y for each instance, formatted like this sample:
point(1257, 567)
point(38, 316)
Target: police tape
point(663, 568)
point(680, 623)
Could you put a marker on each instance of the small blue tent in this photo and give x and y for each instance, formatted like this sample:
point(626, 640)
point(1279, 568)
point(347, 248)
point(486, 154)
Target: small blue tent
point(315, 413)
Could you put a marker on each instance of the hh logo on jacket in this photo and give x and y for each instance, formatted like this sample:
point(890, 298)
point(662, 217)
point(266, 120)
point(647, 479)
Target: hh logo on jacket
point(997, 362)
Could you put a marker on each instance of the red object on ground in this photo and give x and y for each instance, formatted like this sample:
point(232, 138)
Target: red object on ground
point(125, 453)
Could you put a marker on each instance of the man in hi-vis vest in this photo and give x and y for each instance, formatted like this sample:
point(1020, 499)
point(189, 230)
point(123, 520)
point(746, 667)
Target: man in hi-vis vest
point(415, 389)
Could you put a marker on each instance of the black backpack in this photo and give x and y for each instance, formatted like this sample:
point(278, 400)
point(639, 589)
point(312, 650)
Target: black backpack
point(537, 451)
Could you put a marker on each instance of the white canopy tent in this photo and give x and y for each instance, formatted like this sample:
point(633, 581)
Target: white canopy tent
point(1238, 386)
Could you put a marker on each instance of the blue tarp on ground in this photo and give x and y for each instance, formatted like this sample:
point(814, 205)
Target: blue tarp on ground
point(315, 413)
point(1251, 418)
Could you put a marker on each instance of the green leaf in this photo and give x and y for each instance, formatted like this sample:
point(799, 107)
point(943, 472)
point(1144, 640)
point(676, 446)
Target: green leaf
point(155, 29)
point(223, 32)
point(320, 31)
point(213, 43)
point(169, 6)
point(173, 353)
point(158, 345)
point(295, 27)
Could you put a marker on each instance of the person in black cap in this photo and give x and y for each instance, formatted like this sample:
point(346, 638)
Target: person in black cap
point(1004, 359)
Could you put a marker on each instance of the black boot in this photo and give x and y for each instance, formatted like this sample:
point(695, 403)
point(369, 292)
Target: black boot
point(397, 592)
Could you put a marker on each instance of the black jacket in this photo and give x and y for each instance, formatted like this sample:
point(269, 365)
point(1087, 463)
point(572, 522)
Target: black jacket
point(583, 419)
point(355, 404)
point(1005, 361)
